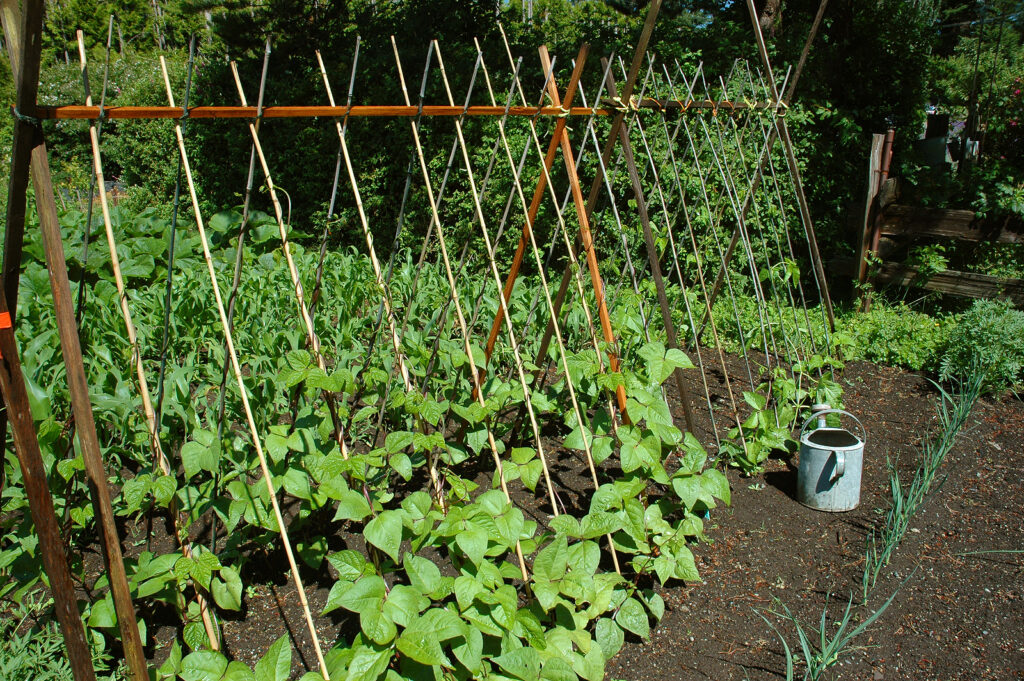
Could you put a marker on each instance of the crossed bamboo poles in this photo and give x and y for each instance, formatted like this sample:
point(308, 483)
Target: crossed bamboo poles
point(306, 317)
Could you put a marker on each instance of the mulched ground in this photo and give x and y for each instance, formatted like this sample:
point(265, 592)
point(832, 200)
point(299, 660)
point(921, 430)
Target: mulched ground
point(959, 616)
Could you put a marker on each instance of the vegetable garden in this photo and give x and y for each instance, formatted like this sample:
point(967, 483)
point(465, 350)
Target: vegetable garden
point(490, 472)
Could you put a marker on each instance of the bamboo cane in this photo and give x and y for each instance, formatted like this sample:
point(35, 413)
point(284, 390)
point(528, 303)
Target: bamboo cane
point(250, 419)
point(159, 457)
point(499, 468)
point(551, 308)
point(379, 278)
point(501, 299)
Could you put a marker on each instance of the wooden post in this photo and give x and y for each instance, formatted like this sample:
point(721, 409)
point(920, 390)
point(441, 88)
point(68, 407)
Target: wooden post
point(652, 257)
point(40, 504)
point(606, 155)
point(26, 37)
point(874, 171)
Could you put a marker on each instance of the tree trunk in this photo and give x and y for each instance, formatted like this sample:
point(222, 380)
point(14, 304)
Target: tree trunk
point(770, 16)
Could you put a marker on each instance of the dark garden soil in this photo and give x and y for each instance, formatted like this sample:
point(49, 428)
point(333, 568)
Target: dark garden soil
point(959, 613)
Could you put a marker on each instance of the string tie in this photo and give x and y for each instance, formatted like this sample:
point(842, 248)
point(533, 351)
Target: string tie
point(24, 118)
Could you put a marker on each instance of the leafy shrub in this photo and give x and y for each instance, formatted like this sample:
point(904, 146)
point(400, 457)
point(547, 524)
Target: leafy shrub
point(990, 335)
point(895, 335)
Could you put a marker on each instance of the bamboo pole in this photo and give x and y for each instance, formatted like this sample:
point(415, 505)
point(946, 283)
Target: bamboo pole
point(794, 171)
point(300, 299)
point(501, 299)
point(250, 419)
point(379, 278)
point(499, 468)
point(153, 429)
point(547, 298)
point(655, 262)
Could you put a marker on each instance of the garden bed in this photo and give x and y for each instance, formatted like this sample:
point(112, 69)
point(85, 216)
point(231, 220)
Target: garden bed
point(958, 616)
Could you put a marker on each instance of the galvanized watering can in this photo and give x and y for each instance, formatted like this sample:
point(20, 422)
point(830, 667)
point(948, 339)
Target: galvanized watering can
point(831, 463)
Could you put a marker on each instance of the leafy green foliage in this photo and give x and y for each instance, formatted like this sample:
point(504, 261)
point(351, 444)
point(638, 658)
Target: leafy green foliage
point(988, 338)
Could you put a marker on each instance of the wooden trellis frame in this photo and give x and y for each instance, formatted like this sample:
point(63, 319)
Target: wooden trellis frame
point(29, 160)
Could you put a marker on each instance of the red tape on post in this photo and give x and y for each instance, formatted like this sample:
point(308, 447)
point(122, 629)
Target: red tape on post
point(5, 323)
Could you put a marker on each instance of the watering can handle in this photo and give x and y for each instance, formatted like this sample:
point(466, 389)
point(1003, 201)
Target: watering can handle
point(814, 417)
point(840, 466)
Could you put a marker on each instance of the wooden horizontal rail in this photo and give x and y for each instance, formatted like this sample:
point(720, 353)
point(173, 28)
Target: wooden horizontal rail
point(942, 223)
point(967, 284)
point(75, 111)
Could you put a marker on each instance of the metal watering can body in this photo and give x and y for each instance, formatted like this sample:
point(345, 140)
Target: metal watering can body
point(831, 464)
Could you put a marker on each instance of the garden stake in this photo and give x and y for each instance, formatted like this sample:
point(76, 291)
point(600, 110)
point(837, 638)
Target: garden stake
point(250, 419)
point(783, 104)
point(311, 337)
point(501, 299)
point(732, 195)
point(631, 166)
point(700, 278)
point(794, 171)
point(458, 306)
point(794, 351)
point(718, 244)
point(170, 251)
point(385, 295)
point(33, 473)
point(159, 457)
point(547, 298)
point(80, 300)
point(313, 299)
point(236, 278)
point(654, 260)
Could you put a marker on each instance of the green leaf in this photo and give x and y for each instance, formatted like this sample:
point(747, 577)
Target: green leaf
point(423, 574)
point(522, 663)
point(597, 524)
point(473, 542)
point(385, 532)
point(368, 663)
point(277, 663)
point(716, 484)
point(203, 665)
point(196, 457)
point(419, 642)
point(164, 488)
point(632, 617)
point(609, 636)
point(227, 590)
point(552, 561)
point(366, 593)
point(352, 506)
point(238, 671)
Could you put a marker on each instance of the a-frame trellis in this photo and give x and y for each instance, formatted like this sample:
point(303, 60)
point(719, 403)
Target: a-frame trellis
point(673, 135)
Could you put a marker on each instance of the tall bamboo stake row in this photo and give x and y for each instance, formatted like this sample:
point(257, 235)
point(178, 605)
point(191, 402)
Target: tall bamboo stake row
point(243, 393)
